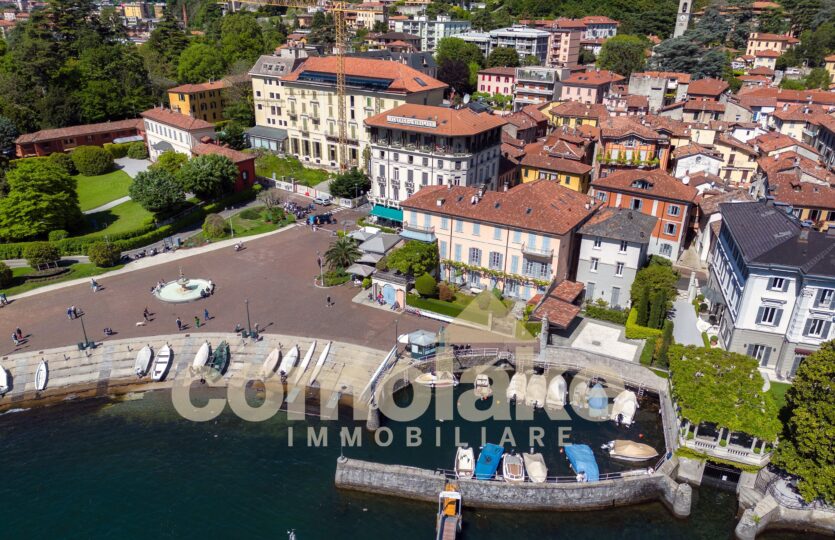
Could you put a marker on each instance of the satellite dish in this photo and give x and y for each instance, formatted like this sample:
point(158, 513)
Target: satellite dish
point(466, 98)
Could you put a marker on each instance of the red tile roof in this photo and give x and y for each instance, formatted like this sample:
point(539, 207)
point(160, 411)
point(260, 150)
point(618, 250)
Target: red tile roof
point(577, 109)
point(505, 71)
point(403, 78)
point(761, 70)
point(201, 87)
point(559, 312)
point(790, 189)
point(449, 122)
point(781, 95)
point(202, 149)
point(541, 206)
point(693, 149)
point(568, 291)
point(538, 157)
point(661, 185)
point(763, 36)
point(680, 77)
point(592, 78)
point(175, 119)
point(768, 53)
point(704, 105)
point(707, 87)
point(773, 140)
point(76, 131)
point(616, 127)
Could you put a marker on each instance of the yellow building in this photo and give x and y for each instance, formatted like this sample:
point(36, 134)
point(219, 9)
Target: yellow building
point(203, 101)
point(138, 10)
point(575, 113)
point(830, 66)
point(559, 161)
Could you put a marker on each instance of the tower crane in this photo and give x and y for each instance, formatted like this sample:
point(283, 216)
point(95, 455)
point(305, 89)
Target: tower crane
point(337, 10)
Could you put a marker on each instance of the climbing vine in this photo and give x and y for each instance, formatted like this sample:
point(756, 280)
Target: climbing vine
point(498, 274)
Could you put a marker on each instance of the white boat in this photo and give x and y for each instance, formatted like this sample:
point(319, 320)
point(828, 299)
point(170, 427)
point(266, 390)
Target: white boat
point(536, 391)
point(535, 466)
point(4, 381)
point(441, 379)
point(516, 388)
point(271, 362)
point(464, 462)
point(624, 408)
point(557, 393)
point(513, 469)
point(162, 363)
point(202, 356)
point(41, 376)
point(578, 398)
point(143, 361)
point(289, 361)
point(305, 362)
point(482, 388)
point(630, 450)
point(320, 363)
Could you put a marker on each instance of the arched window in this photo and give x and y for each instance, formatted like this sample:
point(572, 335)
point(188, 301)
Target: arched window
point(684, 7)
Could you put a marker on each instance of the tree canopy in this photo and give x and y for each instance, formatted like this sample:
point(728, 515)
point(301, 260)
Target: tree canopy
point(623, 54)
point(200, 62)
point(350, 184)
point(453, 48)
point(503, 57)
point(806, 448)
point(157, 190)
point(724, 388)
point(415, 258)
point(208, 176)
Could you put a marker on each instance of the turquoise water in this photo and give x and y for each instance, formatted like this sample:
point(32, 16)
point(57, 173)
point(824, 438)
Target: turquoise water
point(135, 469)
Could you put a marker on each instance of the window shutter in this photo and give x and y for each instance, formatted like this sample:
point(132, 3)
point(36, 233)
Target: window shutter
point(807, 327)
point(832, 302)
point(777, 317)
point(785, 285)
point(766, 356)
point(750, 351)
point(818, 297)
point(825, 333)
point(760, 315)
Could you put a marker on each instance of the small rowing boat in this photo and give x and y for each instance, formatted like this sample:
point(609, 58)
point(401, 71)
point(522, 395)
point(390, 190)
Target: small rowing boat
point(289, 361)
point(4, 381)
point(320, 363)
point(202, 356)
point(557, 392)
point(464, 462)
point(630, 450)
point(220, 359)
point(516, 388)
point(536, 391)
point(41, 376)
point(305, 362)
point(442, 379)
point(162, 363)
point(513, 469)
point(271, 363)
point(143, 361)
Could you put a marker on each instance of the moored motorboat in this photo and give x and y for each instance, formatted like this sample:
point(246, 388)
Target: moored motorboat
point(271, 363)
point(630, 450)
point(289, 361)
point(578, 396)
point(513, 468)
point(536, 391)
point(535, 467)
point(488, 461)
point(516, 388)
point(4, 381)
point(305, 362)
point(162, 363)
point(557, 393)
point(41, 376)
point(220, 359)
point(202, 356)
point(143, 361)
point(448, 523)
point(482, 388)
point(598, 402)
point(464, 462)
point(441, 379)
point(582, 461)
point(320, 363)
point(624, 408)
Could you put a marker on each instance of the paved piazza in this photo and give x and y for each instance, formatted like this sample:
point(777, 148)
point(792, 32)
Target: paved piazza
point(275, 273)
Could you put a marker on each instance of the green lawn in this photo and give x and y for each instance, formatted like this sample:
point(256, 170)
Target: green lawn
point(778, 391)
point(119, 219)
point(268, 164)
point(94, 191)
point(242, 227)
point(78, 270)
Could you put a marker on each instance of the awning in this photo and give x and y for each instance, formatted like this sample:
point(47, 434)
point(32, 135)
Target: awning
point(385, 212)
point(417, 235)
point(162, 146)
point(264, 132)
point(361, 235)
point(132, 138)
point(712, 295)
point(360, 270)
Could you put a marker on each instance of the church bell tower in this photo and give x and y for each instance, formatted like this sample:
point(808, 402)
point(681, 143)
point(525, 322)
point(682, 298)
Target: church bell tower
point(683, 17)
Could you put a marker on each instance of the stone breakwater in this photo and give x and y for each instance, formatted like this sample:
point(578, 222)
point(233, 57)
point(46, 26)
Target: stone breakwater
point(109, 369)
point(424, 485)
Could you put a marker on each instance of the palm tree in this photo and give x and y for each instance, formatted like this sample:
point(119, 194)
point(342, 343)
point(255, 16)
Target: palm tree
point(342, 253)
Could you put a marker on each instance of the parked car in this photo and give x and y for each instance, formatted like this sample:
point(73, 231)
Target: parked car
point(324, 200)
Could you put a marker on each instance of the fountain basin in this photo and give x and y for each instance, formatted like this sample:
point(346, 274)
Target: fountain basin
point(181, 291)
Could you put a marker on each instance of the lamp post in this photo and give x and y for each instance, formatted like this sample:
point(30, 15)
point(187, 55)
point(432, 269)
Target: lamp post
point(86, 343)
point(248, 324)
point(321, 271)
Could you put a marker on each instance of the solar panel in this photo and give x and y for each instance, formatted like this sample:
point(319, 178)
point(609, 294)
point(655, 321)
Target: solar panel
point(420, 81)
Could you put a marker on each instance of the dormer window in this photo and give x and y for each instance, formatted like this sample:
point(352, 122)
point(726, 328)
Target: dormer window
point(641, 184)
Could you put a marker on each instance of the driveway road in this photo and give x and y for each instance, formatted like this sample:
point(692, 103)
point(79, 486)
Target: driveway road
point(685, 330)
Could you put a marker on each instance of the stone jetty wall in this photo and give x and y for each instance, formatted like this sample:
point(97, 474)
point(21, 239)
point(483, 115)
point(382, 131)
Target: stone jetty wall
point(424, 485)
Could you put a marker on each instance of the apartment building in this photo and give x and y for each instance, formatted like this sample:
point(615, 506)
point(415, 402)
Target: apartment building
point(47, 141)
point(431, 31)
point(661, 88)
point(168, 130)
point(364, 15)
point(304, 103)
point(525, 41)
point(708, 89)
point(589, 86)
point(203, 100)
point(563, 47)
point(536, 85)
point(627, 142)
point(518, 240)
point(614, 245)
point(573, 114)
point(802, 185)
point(497, 80)
point(761, 41)
point(772, 283)
point(562, 157)
point(414, 146)
point(654, 193)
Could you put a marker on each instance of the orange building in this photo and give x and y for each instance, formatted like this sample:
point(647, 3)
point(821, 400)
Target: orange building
point(627, 142)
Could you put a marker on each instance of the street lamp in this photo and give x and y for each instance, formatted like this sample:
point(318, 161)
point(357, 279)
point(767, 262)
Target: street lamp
point(248, 324)
point(86, 343)
point(321, 271)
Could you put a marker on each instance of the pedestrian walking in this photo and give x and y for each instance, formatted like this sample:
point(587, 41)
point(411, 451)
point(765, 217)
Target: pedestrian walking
point(14, 339)
point(69, 313)
point(328, 301)
point(75, 313)
point(205, 314)
point(146, 314)
point(196, 321)
point(19, 333)
point(3, 300)
point(179, 324)
point(93, 285)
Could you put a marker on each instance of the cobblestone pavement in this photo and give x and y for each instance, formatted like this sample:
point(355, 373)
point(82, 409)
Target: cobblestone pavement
point(275, 273)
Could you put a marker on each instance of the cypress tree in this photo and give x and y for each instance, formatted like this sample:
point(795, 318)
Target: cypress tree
point(642, 306)
point(656, 310)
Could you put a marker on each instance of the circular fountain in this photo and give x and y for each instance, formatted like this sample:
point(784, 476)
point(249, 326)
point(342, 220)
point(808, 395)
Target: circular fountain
point(183, 289)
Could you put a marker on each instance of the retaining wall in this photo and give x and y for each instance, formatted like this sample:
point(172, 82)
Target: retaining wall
point(424, 485)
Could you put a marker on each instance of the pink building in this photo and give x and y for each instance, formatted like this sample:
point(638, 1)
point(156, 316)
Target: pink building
point(497, 80)
point(589, 86)
point(564, 47)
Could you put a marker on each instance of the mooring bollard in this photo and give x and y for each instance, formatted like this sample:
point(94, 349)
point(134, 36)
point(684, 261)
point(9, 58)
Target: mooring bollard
point(373, 421)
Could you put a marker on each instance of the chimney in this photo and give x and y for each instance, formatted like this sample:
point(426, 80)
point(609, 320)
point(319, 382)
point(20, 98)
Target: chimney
point(439, 202)
point(506, 185)
point(804, 236)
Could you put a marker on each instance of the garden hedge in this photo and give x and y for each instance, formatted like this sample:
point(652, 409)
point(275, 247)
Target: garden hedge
point(92, 160)
point(119, 150)
point(634, 331)
point(616, 316)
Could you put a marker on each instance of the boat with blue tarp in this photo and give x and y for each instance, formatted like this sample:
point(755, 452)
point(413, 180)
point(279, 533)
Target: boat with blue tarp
point(488, 461)
point(582, 462)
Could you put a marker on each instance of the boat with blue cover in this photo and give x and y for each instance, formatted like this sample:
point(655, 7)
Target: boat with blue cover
point(488, 461)
point(582, 461)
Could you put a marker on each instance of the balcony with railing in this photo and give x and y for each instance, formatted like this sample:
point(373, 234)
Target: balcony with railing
point(428, 229)
point(536, 252)
point(724, 444)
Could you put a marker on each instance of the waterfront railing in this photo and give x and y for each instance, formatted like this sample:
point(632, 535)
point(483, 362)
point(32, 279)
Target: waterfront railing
point(451, 475)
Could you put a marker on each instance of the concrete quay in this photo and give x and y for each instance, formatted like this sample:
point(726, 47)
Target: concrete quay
point(109, 369)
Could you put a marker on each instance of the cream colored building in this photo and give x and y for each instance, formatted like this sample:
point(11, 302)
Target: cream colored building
point(517, 240)
point(303, 103)
point(760, 41)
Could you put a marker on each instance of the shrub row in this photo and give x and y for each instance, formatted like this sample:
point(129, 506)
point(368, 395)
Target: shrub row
point(635, 331)
point(117, 150)
point(617, 316)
